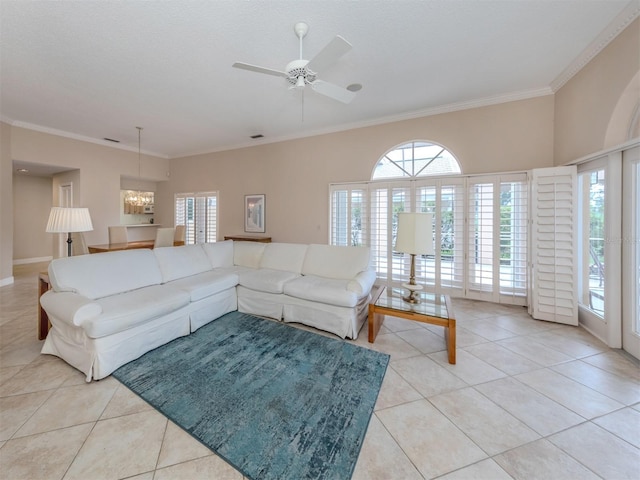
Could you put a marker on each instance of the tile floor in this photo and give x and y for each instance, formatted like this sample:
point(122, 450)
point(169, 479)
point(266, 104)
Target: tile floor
point(526, 400)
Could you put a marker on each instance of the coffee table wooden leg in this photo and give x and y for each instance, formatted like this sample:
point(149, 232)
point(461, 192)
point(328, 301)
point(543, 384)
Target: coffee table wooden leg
point(375, 322)
point(450, 337)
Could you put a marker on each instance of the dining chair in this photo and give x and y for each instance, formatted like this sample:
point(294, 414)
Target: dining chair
point(164, 237)
point(179, 235)
point(118, 234)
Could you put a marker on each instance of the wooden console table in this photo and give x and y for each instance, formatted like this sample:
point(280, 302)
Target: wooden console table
point(112, 247)
point(247, 238)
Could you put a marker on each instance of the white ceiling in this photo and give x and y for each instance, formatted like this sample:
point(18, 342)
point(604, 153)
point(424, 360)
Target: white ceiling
point(99, 69)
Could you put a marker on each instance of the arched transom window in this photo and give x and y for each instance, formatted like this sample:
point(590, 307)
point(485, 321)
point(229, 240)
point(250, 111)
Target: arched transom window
point(416, 159)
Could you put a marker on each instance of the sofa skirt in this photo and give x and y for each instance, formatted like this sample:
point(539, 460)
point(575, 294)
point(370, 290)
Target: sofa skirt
point(345, 322)
point(260, 303)
point(99, 357)
point(209, 308)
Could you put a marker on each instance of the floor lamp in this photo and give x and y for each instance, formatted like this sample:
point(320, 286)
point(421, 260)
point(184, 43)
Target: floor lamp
point(415, 237)
point(68, 220)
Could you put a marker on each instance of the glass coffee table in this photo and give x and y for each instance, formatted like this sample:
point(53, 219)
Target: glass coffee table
point(434, 309)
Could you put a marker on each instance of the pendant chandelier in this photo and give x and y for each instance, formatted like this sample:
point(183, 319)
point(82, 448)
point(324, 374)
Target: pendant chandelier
point(138, 198)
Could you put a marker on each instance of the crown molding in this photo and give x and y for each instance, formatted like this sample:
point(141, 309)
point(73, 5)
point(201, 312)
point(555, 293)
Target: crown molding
point(629, 144)
point(617, 25)
point(82, 138)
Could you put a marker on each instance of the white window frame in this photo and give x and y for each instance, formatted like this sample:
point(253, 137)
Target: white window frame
point(608, 326)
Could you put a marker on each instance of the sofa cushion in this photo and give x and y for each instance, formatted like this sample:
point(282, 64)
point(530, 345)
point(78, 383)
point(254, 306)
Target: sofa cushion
point(331, 261)
point(220, 253)
point(324, 290)
point(206, 284)
point(247, 254)
point(284, 256)
point(180, 262)
point(104, 274)
point(127, 310)
point(266, 280)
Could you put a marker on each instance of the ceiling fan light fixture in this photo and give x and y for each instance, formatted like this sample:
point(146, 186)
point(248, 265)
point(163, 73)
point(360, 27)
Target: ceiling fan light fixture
point(301, 72)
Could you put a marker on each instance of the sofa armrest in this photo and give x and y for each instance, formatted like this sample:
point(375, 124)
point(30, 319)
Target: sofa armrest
point(362, 283)
point(69, 307)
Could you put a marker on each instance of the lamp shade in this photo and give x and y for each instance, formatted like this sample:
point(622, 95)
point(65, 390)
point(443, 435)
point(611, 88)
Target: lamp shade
point(415, 234)
point(66, 220)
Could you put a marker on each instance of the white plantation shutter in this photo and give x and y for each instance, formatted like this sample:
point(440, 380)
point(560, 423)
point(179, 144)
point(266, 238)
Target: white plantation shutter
point(554, 259)
point(483, 227)
point(199, 213)
point(496, 261)
point(180, 210)
point(444, 199)
point(514, 196)
point(380, 226)
point(399, 262)
point(349, 214)
point(210, 230)
point(427, 201)
point(386, 200)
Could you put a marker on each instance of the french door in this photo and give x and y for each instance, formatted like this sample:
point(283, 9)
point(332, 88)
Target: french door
point(479, 232)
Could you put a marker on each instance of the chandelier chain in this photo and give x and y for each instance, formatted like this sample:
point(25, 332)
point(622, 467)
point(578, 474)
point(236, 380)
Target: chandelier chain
point(138, 198)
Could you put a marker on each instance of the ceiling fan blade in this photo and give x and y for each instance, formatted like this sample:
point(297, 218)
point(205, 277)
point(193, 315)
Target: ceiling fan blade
point(255, 68)
point(329, 54)
point(333, 91)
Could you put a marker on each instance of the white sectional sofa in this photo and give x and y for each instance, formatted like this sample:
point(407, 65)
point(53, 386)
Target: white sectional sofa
point(108, 309)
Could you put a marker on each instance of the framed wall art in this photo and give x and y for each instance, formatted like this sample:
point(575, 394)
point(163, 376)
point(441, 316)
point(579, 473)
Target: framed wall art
point(254, 213)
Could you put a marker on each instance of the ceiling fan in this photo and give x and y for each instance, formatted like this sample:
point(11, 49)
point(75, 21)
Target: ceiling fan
point(300, 73)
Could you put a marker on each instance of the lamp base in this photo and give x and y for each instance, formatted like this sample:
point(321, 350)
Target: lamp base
point(413, 296)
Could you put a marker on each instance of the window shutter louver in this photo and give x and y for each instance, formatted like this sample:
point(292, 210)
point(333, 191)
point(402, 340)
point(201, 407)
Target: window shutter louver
point(554, 256)
point(483, 233)
point(349, 215)
point(513, 241)
point(211, 232)
point(379, 230)
point(400, 263)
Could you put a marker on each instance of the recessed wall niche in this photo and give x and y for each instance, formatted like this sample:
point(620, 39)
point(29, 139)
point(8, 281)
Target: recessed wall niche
point(136, 214)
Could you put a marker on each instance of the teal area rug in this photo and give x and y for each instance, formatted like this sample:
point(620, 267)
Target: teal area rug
point(274, 401)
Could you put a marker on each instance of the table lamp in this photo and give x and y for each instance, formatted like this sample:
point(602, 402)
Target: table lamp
point(415, 237)
point(68, 220)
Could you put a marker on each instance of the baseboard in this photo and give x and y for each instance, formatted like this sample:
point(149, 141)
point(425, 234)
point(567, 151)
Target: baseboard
point(6, 281)
point(24, 261)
